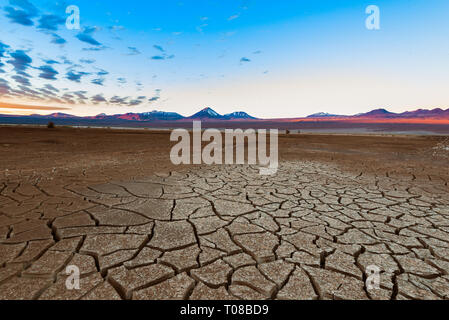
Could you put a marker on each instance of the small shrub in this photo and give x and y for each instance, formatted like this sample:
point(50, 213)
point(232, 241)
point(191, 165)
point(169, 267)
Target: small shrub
point(50, 125)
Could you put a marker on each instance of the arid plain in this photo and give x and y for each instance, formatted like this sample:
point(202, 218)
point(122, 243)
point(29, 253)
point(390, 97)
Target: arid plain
point(111, 203)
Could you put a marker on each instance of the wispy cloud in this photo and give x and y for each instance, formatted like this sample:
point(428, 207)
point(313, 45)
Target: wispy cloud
point(50, 22)
point(118, 100)
point(95, 49)
point(98, 82)
point(51, 88)
point(102, 73)
point(157, 47)
point(98, 99)
point(68, 98)
point(201, 27)
point(133, 51)
point(21, 12)
point(48, 73)
point(56, 39)
point(87, 61)
point(233, 17)
point(116, 28)
point(81, 95)
point(20, 60)
point(134, 102)
point(3, 48)
point(75, 76)
point(86, 36)
point(22, 80)
point(51, 61)
point(156, 96)
point(4, 87)
point(163, 57)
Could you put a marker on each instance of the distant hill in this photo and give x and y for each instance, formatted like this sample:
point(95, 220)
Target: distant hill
point(55, 116)
point(417, 114)
point(378, 113)
point(383, 114)
point(420, 113)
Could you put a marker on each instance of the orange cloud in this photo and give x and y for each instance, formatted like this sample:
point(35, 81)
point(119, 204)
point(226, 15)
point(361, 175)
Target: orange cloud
point(25, 107)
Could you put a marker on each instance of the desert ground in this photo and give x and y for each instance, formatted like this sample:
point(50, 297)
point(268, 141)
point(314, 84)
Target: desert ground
point(138, 227)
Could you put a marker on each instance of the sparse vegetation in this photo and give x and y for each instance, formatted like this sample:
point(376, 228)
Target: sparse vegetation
point(51, 125)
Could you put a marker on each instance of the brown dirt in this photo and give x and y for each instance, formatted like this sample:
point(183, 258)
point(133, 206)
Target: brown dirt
point(102, 155)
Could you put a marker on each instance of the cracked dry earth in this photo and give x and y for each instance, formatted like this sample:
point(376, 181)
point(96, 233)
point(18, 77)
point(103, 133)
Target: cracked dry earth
point(308, 232)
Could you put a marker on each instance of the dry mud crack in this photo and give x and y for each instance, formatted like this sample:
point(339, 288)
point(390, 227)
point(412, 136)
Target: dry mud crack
point(308, 232)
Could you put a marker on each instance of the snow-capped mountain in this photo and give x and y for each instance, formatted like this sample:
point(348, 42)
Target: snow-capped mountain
point(322, 115)
point(160, 115)
point(238, 115)
point(211, 114)
point(145, 116)
point(206, 113)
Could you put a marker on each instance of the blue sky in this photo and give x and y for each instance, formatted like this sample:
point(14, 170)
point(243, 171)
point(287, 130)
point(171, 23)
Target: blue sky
point(283, 58)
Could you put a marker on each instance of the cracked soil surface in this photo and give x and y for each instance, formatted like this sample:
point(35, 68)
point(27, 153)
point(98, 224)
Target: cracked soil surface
point(225, 232)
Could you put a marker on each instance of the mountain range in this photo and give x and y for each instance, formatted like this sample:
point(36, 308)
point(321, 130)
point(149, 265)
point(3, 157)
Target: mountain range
point(208, 114)
point(204, 115)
